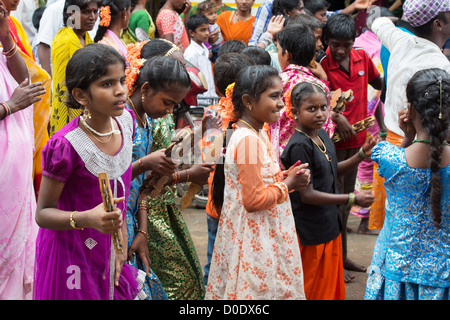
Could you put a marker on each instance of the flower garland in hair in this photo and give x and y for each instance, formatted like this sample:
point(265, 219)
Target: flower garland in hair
point(288, 104)
point(228, 104)
point(135, 64)
point(105, 16)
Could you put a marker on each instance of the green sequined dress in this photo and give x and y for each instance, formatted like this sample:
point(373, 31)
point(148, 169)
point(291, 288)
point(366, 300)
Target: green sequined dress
point(172, 253)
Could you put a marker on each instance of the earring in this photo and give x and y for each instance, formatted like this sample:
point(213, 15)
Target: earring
point(87, 113)
point(143, 98)
point(249, 107)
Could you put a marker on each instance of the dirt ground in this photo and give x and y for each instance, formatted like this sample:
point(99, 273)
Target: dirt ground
point(360, 247)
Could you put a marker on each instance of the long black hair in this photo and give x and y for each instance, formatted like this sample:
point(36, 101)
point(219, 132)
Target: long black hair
point(253, 81)
point(115, 7)
point(428, 92)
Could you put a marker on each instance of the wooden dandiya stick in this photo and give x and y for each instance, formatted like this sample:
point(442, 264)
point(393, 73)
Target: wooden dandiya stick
point(357, 127)
point(108, 202)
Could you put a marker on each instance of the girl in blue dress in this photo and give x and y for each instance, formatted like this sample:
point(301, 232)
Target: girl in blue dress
point(411, 258)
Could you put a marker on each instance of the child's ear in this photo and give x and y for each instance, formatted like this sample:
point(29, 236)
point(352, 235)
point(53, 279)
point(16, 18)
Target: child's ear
point(191, 34)
point(80, 96)
point(247, 100)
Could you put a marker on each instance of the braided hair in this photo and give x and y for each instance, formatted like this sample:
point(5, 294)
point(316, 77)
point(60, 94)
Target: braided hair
point(428, 92)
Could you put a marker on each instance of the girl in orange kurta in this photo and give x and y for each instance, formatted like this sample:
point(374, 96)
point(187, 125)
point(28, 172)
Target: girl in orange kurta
point(256, 253)
point(237, 25)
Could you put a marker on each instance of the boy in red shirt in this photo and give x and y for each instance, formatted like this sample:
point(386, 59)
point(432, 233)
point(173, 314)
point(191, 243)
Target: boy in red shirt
point(348, 68)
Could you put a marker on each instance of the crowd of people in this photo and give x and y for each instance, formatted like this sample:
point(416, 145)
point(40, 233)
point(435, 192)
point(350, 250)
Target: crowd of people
point(314, 110)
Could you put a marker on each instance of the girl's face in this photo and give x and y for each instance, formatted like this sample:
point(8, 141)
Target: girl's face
point(211, 14)
point(126, 18)
point(321, 15)
point(312, 112)
point(108, 94)
point(267, 108)
point(158, 104)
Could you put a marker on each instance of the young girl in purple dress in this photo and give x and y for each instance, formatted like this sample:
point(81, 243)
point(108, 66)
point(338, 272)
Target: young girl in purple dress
point(74, 255)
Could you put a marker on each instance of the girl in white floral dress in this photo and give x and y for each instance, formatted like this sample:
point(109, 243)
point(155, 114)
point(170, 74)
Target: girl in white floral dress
point(256, 252)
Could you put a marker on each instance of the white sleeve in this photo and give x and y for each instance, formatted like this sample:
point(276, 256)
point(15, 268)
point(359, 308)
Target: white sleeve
point(51, 22)
point(388, 33)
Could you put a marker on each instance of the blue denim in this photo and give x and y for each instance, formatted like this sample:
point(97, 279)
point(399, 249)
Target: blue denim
point(213, 224)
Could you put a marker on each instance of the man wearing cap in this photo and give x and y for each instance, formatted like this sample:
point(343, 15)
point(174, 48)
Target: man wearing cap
point(409, 53)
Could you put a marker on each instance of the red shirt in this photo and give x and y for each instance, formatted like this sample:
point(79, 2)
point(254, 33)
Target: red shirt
point(362, 72)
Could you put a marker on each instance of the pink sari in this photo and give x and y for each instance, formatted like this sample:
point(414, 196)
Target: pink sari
point(18, 228)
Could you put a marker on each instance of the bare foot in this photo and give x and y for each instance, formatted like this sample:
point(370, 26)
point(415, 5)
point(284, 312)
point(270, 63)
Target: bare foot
point(364, 228)
point(348, 277)
point(353, 266)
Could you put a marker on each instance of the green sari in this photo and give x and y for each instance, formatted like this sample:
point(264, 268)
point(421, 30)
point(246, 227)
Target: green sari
point(172, 253)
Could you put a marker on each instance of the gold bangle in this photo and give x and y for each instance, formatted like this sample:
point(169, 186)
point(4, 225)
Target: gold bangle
point(187, 175)
point(12, 54)
point(10, 50)
point(351, 199)
point(73, 224)
point(145, 233)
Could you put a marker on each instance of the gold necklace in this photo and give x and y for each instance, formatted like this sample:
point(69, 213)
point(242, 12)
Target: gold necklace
point(144, 124)
point(324, 147)
point(276, 177)
point(249, 126)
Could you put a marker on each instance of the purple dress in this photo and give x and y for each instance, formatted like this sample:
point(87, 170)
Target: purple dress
point(79, 264)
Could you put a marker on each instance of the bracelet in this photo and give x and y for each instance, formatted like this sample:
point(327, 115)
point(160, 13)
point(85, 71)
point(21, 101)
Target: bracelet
point(351, 199)
point(10, 50)
point(362, 154)
point(12, 54)
point(143, 205)
point(187, 175)
point(72, 222)
point(7, 109)
point(382, 134)
point(145, 233)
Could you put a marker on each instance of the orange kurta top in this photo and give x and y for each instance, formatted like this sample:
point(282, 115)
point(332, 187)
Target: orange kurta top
point(241, 30)
point(256, 251)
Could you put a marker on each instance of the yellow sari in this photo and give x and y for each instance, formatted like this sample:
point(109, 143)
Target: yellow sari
point(64, 46)
point(41, 109)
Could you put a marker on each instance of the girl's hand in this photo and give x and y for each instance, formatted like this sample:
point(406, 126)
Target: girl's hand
point(140, 245)
point(318, 71)
point(103, 221)
point(119, 261)
point(213, 37)
point(405, 125)
point(159, 163)
point(298, 177)
point(275, 25)
point(369, 144)
point(364, 198)
point(199, 173)
point(25, 95)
